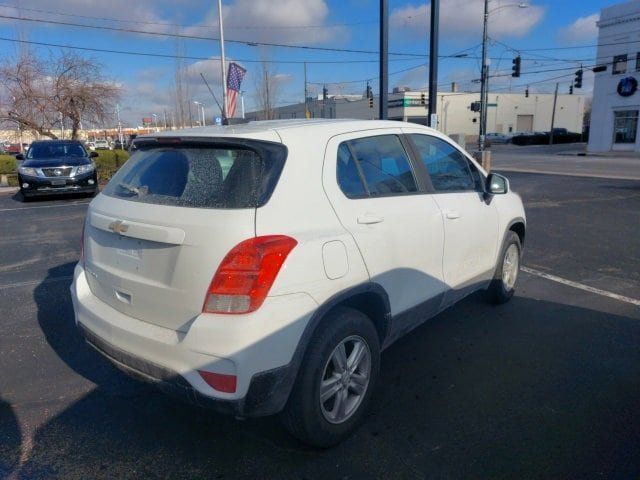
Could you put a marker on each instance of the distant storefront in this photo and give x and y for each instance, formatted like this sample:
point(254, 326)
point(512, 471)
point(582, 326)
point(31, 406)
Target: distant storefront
point(616, 100)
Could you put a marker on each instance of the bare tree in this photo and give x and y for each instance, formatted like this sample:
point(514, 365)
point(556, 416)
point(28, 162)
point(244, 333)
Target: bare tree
point(267, 90)
point(40, 93)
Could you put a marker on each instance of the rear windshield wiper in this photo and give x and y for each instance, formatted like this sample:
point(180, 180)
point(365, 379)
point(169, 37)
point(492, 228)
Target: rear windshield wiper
point(131, 189)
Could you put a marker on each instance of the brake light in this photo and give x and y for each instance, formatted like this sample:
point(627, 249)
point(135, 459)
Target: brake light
point(246, 274)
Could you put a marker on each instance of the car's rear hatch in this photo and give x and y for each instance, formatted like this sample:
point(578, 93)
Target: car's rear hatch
point(155, 237)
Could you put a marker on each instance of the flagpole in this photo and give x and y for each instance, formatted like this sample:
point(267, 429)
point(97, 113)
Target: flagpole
point(222, 64)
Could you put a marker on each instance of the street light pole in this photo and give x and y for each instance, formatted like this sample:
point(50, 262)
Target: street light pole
point(484, 76)
point(223, 67)
point(200, 111)
point(484, 79)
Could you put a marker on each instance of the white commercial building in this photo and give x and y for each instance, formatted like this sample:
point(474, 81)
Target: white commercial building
point(507, 112)
point(616, 100)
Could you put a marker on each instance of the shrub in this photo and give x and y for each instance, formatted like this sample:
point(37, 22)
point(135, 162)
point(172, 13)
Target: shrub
point(7, 164)
point(108, 162)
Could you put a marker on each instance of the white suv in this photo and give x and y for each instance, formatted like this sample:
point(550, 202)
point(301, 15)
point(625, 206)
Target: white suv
point(261, 268)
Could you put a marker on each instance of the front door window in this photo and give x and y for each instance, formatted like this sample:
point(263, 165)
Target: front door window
point(625, 126)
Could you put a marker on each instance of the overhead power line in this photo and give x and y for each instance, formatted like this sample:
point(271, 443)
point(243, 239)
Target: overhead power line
point(187, 57)
point(199, 37)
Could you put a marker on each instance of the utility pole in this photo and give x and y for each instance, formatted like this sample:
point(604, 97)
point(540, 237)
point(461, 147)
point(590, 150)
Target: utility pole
point(306, 108)
point(242, 102)
point(190, 115)
point(61, 125)
point(384, 57)
point(484, 79)
point(553, 114)
point(223, 67)
point(165, 119)
point(433, 64)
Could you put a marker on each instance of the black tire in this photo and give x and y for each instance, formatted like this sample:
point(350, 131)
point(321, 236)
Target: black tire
point(498, 292)
point(25, 198)
point(303, 416)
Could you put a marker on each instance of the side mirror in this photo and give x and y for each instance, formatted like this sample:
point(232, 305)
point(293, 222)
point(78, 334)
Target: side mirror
point(497, 184)
point(19, 156)
point(93, 154)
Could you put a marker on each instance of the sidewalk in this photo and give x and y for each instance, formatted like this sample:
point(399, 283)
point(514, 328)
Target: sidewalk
point(553, 161)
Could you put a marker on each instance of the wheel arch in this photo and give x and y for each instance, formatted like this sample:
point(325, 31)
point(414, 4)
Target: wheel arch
point(518, 226)
point(369, 298)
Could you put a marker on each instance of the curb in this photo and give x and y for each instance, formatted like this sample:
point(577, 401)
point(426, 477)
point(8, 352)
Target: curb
point(633, 178)
point(8, 190)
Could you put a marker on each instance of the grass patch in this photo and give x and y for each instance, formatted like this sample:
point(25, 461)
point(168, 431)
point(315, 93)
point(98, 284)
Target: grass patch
point(7, 164)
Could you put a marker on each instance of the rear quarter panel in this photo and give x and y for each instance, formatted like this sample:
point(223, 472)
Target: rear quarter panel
point(299, 208)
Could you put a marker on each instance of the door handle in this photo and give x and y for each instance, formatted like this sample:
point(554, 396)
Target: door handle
point(369, 219)
point(452, 215)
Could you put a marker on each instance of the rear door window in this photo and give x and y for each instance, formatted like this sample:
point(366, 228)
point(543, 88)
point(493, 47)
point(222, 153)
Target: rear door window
point(199, 176)
point(380, 161)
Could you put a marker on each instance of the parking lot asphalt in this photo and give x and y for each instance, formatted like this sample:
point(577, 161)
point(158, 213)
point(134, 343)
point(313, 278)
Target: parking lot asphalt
point(546, 386)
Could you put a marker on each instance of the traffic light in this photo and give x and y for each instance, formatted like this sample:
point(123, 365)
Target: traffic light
point(423, 99)
point(570, 89)
point(325, 92)
point(516, 66)
point(369, 91)
point(526, 93)
point(371, 101)
point(578, 81)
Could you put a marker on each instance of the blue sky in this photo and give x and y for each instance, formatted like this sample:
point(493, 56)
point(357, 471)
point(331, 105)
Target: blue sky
point(148, 82)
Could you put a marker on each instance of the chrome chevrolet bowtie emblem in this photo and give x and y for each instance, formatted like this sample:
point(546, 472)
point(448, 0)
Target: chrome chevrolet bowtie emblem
point(118, 227)
point(57, 172)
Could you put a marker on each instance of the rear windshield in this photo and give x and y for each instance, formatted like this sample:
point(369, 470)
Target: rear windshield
point(200, 176)
point(56, 150)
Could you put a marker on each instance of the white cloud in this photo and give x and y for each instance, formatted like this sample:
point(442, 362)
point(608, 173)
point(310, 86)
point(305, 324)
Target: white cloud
point(275, 21)
point(463, 19)
point(145, 12)
point(582, 29)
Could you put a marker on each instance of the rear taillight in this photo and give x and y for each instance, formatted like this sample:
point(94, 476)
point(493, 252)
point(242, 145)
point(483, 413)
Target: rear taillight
point(246, 274)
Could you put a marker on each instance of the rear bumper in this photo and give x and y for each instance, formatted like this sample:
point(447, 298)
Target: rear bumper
point(261, 359)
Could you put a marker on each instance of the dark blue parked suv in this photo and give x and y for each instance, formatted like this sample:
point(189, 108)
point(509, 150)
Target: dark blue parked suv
point(57, 166)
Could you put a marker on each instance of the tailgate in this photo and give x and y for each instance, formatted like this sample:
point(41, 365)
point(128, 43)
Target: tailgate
point(155, 263)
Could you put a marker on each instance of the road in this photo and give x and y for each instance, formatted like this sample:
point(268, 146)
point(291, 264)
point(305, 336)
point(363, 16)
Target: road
point(563, 160)
point(546, 386)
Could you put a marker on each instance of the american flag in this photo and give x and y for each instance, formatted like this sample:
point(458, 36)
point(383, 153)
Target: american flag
point(234, 79)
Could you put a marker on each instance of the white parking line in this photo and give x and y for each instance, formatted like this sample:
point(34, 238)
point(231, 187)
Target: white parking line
point(581, 286)
point(44, 206)
point(36, 282)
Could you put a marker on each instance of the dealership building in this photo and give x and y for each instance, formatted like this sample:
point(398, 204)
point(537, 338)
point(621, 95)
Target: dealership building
point(506, 112)
point(616, 100)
